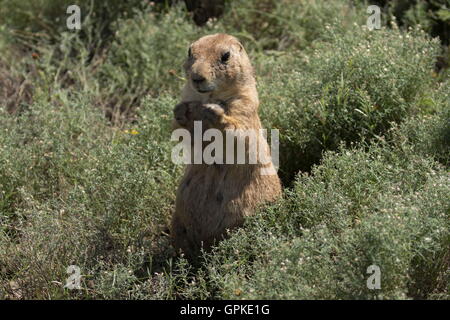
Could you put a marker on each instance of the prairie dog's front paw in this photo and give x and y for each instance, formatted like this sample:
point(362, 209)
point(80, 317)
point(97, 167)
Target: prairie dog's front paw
point(212, 113)
point(183, 112)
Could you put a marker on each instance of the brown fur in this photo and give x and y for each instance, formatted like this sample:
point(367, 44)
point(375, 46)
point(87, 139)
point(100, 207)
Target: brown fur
point(212, 199)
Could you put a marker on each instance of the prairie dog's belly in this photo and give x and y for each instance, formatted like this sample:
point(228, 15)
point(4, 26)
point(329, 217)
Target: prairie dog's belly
point(211, 201)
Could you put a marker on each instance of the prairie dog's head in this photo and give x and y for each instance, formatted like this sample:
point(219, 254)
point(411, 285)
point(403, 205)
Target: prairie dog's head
point(217, 62)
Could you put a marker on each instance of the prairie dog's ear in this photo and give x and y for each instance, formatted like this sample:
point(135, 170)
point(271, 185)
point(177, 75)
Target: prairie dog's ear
point(238, 44)
point(241, 47)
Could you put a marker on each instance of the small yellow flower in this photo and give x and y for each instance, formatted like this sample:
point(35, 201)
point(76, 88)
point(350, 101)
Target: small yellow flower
point(133, 131)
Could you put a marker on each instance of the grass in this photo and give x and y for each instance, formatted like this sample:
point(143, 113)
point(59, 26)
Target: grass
point(86, 177)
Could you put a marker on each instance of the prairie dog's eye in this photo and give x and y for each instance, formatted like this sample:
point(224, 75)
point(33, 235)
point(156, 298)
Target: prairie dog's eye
point(225, 57)
point(189, 52)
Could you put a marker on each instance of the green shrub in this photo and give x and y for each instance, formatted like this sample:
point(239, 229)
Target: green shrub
point(44, 20)
point(76, 191)
point(356, 209)
point(432, 15)
point(429, 136)
point(287, 24)
point(353, 86)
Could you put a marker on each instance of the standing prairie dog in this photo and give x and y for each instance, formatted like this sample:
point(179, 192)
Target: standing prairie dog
point(221, 93)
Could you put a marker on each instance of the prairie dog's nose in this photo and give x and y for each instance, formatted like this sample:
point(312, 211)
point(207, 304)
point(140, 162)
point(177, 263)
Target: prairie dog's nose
point(197, 78)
